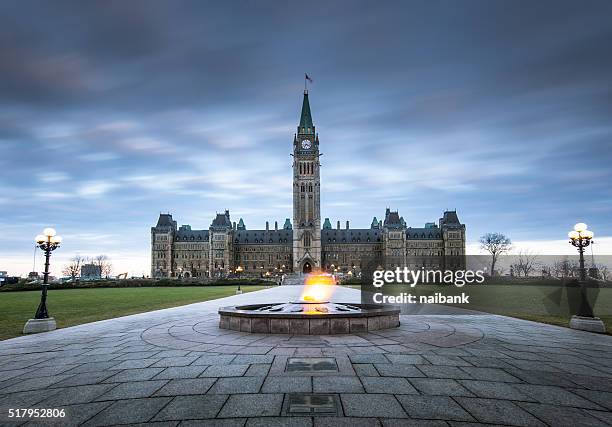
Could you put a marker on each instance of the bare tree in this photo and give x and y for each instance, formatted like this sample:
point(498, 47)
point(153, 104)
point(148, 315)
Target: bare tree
point(525, 264)
point(106, 267)
point(496, 244)
point(565, 268)
point(73, 268)
point(604, 272)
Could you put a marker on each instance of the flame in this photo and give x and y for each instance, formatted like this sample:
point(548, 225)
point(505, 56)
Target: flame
point(318, 287)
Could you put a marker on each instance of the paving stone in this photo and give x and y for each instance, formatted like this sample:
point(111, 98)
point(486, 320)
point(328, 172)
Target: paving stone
point(137, 355)
point(368, 358)
point(487, 362)
point(225, 371)
point(186, 387)
point(175, 361)
point(606, 417)
point(388, 385)
point(221, 359)
point(398, 370)
point(129, 411)
point(217, 422)
point(408, 359)
point(287, 385)
point(258, 370)
point(246, 359)
point(490, 374)
point(78, 394)
point(132, 390)
point(439, 386)
point(25, 399)
point(93, 367)
point(228, 422)
point(592, 383)
point(555, 396)
point(337, 384)
point(347, 422)
point(434, 407)
point(435, 359)
point(85, 378)
point(180, 372)
point(75, 415)
point(134, 375)
point(365, 370)
point(192, 407)
point(497, 411)
point(444, 372)
point(495, 390)
point(502, 361)
point(279, 422)
point(371, 405)
point(235, 385)
point(252, 405)
point(397, 422)
point(172, 353)
point(46, 371)
point(602, 398)
point(135, 363)
point(33, 383)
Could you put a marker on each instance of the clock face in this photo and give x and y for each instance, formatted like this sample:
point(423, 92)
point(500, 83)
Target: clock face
point(306, 144)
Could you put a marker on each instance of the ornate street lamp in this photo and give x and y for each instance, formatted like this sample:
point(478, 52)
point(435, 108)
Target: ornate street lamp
point(581, 237)
point(48, 242)
point(239, 270)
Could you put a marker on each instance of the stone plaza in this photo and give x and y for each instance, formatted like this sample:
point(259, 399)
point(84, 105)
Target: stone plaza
point(176, 366)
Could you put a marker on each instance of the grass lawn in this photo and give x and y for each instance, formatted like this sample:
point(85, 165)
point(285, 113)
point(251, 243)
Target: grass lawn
point(72, 307)
point(546, 304)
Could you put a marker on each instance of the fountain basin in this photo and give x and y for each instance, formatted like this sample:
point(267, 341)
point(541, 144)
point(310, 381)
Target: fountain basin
point(308, 318)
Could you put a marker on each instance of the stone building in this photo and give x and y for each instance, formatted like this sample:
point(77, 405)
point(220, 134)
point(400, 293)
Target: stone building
point(305, 244)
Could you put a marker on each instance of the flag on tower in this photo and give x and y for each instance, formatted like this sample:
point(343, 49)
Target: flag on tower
point(307, 77)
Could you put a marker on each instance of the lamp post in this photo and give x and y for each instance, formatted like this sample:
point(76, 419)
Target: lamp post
point(239, 270)
point(581, 237)
point(48, 242)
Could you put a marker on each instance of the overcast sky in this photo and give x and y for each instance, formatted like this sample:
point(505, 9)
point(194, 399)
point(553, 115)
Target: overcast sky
point(111, 112)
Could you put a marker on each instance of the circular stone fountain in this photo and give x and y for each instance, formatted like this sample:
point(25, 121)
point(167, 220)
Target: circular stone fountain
point(308, 318)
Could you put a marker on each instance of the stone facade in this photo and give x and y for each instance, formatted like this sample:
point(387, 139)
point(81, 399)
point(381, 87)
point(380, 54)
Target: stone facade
point(303, 245)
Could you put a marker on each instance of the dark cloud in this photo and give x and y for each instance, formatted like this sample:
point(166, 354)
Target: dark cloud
point(112, 111)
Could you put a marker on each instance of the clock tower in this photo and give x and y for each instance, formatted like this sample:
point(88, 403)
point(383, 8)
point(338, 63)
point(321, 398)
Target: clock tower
point(306, 194)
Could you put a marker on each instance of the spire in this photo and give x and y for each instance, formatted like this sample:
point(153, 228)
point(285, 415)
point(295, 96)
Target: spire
point(306, 126)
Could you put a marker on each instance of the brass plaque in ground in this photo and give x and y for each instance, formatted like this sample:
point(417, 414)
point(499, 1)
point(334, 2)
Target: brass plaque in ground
point(303, 403)
point(311, 364)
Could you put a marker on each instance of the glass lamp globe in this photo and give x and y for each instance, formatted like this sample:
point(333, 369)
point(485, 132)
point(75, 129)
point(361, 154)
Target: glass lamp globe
point(56, 239)
point(49, 232)
point(588, 234)
point(581, 226)
point(573, 235)
point(41, 239)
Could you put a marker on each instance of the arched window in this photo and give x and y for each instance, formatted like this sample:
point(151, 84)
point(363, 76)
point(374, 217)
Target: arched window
point(307, 239)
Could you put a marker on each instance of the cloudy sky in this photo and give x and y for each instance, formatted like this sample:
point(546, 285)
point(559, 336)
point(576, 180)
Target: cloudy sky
point(112, 112)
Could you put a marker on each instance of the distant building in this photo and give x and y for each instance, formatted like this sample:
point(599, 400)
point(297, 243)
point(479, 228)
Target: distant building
point(306, 244)
point(5, 279)
point(91, 272)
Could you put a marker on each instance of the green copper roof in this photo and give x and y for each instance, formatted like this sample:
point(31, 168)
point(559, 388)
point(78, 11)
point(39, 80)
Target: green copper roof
point(327, 224)
point(241, 225)
point(306, 125)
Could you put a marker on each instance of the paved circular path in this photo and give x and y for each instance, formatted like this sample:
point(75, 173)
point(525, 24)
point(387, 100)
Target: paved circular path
point(176, 367)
